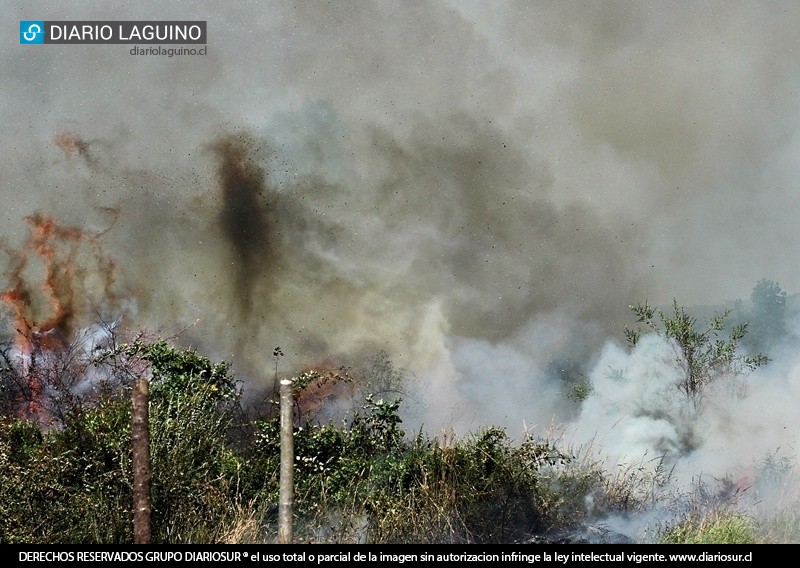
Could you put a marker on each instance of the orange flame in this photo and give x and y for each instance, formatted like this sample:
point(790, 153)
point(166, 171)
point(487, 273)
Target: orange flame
point(44, 314)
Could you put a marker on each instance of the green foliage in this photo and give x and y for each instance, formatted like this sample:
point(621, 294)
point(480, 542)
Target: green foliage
point(181, 371)
point(774, 477)
point(768, 314)
point(361, 479)
point(72, 483)
point(332, 461)
point(719, 528)
point(481, 489)
point(576, 386)
point(192, 408)
point(704, 353)
point(69, 485)
point(383, 379)
point(580, 391)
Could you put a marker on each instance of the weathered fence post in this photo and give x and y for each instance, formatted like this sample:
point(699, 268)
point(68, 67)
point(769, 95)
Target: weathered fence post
point(140, 442)
point(286, 494)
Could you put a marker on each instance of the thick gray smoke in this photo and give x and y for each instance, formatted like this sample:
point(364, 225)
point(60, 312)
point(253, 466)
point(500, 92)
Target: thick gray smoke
point(480, 189)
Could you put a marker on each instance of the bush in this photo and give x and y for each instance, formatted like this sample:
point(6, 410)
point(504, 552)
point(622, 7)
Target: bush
point(71, 482)
point(704, 353)
point(719, 528)
point(69, 485)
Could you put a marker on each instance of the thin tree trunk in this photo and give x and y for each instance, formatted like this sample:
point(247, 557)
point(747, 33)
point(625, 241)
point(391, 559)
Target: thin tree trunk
point(140, 440)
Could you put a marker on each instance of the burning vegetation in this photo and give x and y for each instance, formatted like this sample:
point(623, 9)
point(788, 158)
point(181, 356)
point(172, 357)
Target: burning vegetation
point(66, 378)
point(59, 279)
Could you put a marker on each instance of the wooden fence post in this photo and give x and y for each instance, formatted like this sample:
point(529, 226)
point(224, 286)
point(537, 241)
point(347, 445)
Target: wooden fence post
point(140, 442)
point(286, 493)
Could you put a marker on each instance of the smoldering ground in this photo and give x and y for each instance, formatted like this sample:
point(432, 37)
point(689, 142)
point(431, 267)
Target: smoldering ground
point(480, 190)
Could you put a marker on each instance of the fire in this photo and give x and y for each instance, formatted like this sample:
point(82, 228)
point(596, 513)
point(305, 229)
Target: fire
point(333, 384)
point(44, 313)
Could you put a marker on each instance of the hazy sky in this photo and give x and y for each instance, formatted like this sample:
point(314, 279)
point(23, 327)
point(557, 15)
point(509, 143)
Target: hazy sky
point(463, 184)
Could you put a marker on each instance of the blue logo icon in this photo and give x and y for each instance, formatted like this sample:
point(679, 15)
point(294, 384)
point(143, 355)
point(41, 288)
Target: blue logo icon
point(31, 31)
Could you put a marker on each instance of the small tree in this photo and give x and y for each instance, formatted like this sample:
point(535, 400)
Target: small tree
point(768, 314)
point(704, 353)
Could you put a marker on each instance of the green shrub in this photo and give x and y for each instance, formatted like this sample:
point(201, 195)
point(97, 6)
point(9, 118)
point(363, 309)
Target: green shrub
point(72, 483)
point(68, 485)
point(717, 528)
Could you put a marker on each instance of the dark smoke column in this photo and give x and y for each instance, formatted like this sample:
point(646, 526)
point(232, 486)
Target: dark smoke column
point(246, 220)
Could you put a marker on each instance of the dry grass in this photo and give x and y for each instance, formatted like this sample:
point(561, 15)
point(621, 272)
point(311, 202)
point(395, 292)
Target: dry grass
point(782, 527)
point(718, 527)
point(247, 526)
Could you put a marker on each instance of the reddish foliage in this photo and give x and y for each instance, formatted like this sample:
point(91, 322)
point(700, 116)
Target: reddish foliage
point(333, 385)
